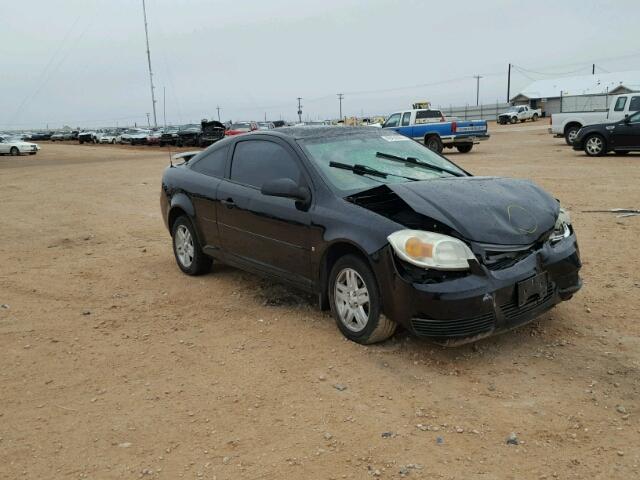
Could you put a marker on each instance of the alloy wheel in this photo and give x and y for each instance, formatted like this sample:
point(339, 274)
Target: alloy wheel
point(594, 145)
point(184, 246)
point(352, 300)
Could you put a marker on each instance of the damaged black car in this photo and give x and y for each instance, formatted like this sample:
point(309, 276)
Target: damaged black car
point(384, 231)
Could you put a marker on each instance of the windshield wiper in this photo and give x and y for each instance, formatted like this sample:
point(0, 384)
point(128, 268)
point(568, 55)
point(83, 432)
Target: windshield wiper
point(415, 161)
point(359, 169)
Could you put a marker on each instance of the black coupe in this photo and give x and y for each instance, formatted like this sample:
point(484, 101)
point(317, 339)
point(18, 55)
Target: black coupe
point(385, 231)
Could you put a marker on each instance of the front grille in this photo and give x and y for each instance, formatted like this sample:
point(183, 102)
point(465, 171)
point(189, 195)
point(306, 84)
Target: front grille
point(512, 311)
point(502, 260)
point(464, 327)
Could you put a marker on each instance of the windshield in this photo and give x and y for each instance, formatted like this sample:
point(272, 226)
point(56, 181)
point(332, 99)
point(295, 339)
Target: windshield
point(239, 126)
point(364, 150)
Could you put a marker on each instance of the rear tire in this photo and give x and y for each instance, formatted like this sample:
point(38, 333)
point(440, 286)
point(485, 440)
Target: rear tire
point(14, 151)
point(570, 134)
point(535, 117)
point(186, 248)
point(465, 148)
point(594, 145)
point(355, 302)
point(434, 143)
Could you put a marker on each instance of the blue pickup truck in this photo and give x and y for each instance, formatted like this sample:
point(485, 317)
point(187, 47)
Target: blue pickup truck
point(430, 127)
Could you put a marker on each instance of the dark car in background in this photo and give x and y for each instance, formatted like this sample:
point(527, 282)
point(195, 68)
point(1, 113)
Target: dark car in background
point(383, 230)
point(620, 137)
point(87, 137)
point(169, 136)
point(210, 132)
point(188, 135)
point(40, 136)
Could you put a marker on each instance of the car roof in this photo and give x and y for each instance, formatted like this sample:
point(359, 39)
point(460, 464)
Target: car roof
point(319, 131)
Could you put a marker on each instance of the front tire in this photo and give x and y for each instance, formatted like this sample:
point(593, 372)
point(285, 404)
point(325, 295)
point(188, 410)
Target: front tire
point(594, 145)
point(514, 120)
point(355, 302)
point(465, 148)
point(186, 248)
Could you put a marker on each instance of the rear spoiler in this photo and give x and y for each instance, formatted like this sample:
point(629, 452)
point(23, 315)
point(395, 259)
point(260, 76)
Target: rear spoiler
point(186, 156)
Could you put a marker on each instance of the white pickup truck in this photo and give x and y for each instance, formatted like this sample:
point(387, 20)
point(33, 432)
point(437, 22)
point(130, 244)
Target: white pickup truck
point(519, 113)
point(567, 124)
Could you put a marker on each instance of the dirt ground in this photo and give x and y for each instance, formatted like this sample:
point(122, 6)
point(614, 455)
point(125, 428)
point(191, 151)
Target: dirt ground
point(116, 365)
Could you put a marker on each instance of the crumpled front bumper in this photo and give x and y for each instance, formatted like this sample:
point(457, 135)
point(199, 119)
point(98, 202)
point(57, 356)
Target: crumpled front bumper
point(482, 303)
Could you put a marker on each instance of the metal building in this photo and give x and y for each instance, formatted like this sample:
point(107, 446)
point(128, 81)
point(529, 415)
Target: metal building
point(579, 93)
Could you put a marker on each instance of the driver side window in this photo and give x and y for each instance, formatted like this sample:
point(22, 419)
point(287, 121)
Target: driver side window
point(393, 120)
point(258, 161)
point(635, 118)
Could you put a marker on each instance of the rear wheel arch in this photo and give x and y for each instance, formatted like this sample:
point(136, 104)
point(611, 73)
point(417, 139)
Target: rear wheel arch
point(571, 125)
point(434, 140)
point(570, 132)
point(175, 213)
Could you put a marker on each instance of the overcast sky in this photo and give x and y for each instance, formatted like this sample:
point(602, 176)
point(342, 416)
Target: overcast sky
point(83, 62)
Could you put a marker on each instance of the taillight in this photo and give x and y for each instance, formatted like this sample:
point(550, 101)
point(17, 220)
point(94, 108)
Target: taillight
point(454, 127)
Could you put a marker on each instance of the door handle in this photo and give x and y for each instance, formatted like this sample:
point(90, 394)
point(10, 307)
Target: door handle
point(229, 203)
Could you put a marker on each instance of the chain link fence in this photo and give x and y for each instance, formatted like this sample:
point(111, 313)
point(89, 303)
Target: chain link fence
point(489, 111)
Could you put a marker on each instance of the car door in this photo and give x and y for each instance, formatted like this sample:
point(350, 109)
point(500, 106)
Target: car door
point(265, 233)
point(393, 122)
point(626, 133)
point(4, 146)
point(211, 168)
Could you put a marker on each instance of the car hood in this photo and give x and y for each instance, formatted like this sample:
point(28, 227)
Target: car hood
point(491, 210)
point(510, 112)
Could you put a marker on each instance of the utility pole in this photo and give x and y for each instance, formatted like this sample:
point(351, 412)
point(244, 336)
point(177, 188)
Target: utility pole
point(148, 121)
point(477, 77)
point(146, 34)
point(164, 105)
point(340, 97)
point(218, 109)
point(593, 69)
point(509, 84)
point(299, 110)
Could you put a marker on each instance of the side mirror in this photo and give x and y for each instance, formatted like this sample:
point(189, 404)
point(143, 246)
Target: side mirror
point(626, 118)
point(286, 188)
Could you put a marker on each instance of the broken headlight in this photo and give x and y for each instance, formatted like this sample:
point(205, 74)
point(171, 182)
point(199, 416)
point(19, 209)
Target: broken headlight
point(431, 250)
point(562, 228)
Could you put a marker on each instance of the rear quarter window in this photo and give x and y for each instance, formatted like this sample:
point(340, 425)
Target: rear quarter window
point(428, 116)
point(213, 163)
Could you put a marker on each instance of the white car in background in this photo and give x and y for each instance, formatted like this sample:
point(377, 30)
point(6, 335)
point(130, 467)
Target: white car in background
point(108, 137)
point(17, 146)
